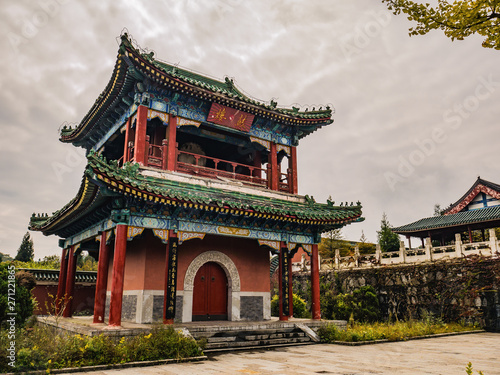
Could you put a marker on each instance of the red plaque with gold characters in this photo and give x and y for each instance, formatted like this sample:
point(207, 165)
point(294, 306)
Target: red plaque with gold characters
point(230, 117)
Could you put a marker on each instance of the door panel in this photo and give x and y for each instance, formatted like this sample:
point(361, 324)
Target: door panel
point(210, 293)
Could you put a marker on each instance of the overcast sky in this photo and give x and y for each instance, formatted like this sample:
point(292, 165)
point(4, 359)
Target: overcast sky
point(415, 118)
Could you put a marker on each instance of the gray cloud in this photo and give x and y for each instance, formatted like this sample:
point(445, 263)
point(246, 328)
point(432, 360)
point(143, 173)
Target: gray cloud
point(390, 92)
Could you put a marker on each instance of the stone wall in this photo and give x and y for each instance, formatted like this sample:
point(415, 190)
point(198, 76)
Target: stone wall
point(466, 288)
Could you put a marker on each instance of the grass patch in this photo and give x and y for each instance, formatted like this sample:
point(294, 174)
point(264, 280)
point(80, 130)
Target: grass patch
point(397, 331)
point(40, 348)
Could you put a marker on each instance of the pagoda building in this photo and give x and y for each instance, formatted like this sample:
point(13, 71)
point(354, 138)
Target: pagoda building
point(477, 210)
point(189, 186)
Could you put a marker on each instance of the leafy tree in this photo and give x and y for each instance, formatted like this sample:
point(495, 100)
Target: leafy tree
point(437, 210)
point(5, 257)
point(388, 240)
point(458, 19)
point(364, 246)
point(86, 262)
point(334, 240)
point(52, 261)
point(26, 253)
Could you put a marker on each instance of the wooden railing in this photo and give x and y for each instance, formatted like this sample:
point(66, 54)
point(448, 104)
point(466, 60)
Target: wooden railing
point(155, 156)
point(206, 166)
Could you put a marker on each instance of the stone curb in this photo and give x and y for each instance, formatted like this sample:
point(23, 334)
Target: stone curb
point(384, 341)
point(113, 366)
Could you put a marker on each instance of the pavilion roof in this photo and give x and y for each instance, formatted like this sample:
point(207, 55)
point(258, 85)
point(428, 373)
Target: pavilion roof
point(460, 219)
point(134, 66)
point(103, 179)
point(479, 186)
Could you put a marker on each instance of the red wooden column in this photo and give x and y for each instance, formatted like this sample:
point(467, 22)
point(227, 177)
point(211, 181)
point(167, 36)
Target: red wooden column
point(293, 165)
point(284, 300)
point(170, 289)
point(61, 286)
point(102, 280)
point(172, 143)
point(115, 305)
point(316, 309)
point(128, 136)
point(70, 283)
point(140, 155)
point(273, 156)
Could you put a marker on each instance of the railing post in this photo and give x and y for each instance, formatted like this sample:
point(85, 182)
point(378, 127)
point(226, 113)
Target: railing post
point(130, 151)
point(378, 253)
point(493, 241)
point(428, 248)
point(164, 153)
point(402, 251)
point(269, 176)
point(147, 151)
point(289, 179)
point(337, 258)
point(356, 255)
point(458, 245)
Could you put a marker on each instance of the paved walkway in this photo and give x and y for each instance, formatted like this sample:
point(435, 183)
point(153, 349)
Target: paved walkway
point(443, 355)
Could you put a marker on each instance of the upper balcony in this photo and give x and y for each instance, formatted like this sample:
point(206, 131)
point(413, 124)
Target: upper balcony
point(207, 152)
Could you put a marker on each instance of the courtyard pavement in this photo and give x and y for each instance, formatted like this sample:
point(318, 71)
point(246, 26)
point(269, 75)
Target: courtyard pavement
point(441, 355)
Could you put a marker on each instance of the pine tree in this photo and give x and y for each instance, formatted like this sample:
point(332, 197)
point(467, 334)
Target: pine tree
point(388, 240)
point(26, 253)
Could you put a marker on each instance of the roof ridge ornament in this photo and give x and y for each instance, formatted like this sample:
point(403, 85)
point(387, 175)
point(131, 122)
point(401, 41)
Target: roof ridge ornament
point(310, 199)
point(330, 202)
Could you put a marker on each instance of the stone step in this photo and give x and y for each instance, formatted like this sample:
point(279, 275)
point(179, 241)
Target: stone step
point(248, 339)
point(274, 336)
point(217, 333)
point(221, 339)
point(255, 336)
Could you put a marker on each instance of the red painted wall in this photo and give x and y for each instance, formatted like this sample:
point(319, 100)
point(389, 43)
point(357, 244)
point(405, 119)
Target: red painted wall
point(145, 261)
point(251, 260)
point(297, 258)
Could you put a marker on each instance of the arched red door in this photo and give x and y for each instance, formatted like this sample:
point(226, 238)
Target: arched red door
point(210, 293)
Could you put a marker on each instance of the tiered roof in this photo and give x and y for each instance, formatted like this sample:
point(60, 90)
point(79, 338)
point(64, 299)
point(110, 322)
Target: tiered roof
point(133, 66)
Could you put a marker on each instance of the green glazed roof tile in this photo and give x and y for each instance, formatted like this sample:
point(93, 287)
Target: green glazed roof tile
point(444, 221)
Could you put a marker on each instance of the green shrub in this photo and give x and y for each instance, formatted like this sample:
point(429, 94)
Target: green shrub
point(299, 307)
point(20, 303)
point(362, 305)
point(40, 348)
point(387, 331)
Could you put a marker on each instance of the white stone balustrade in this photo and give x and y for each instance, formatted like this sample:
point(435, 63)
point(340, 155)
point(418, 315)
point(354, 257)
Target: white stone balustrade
point(403, 255)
